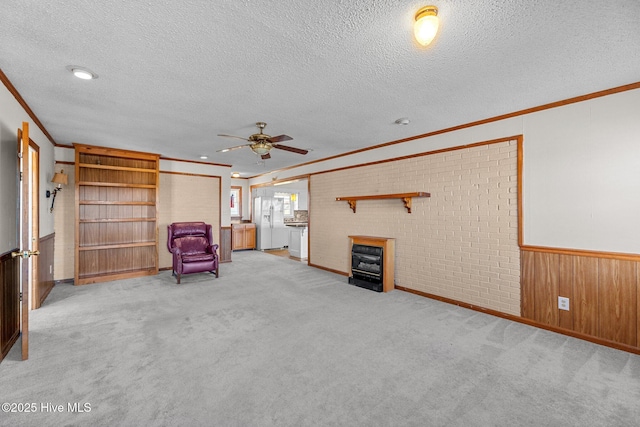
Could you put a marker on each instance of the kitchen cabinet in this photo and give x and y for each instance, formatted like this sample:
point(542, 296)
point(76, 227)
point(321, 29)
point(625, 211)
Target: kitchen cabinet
point(243, 236)
point(298, 242)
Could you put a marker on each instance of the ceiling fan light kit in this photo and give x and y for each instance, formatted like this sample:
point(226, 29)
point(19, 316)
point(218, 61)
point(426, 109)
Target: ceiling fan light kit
point(426, 26)
point(261, 148)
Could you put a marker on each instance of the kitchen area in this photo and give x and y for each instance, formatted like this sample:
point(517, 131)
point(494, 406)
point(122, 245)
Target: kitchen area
point(299, 234)
point(278, 220)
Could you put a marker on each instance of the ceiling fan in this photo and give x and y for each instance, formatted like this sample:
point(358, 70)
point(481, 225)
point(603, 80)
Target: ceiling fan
point(261, 143)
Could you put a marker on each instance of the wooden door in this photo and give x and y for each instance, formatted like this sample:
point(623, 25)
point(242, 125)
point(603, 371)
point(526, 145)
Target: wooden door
point(25, 253)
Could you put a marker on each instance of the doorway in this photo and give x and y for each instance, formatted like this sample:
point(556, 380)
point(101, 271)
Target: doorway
point(33, 227)
point(291, 196)
point(10, 305)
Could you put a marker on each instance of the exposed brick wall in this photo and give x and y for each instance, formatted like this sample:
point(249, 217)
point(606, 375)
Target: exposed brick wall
point(185, 198)
point(461, 243)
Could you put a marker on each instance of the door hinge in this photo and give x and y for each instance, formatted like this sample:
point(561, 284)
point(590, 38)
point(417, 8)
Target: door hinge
point(20, 296)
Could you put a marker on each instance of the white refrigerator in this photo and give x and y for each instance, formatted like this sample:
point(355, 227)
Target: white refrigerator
point(271, 232)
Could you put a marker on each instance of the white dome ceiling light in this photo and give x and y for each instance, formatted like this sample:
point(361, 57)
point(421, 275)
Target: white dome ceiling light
point(426, 25)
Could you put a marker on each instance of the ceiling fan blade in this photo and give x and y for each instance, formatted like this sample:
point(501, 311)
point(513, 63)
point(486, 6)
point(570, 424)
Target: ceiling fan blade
point(292, 149)
point(279, 138)
point(232, 136)
point(224, 150)
point(266, 156)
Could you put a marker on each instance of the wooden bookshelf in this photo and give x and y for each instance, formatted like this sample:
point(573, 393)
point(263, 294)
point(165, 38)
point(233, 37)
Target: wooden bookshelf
point(116, 214)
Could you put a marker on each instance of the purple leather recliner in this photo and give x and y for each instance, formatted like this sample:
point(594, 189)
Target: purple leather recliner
point(192, 247)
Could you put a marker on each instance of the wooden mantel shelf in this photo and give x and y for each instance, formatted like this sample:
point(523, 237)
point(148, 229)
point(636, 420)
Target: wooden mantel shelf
point(406, 198)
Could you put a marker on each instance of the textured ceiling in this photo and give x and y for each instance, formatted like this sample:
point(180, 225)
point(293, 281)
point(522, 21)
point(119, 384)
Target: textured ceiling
point(332, 74)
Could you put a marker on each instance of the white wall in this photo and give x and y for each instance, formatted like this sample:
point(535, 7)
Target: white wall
point(581, 170)
point(11, 117)
point(47, 170)
point(8, 191)
point(303, 200)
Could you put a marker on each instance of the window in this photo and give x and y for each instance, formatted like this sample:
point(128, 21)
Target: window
point(236, 202)
point(289, 201)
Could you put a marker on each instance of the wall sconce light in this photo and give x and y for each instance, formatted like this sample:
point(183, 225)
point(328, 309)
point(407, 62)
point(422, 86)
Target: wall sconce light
point(294, 197)
point(426, 25)
point(58, 178)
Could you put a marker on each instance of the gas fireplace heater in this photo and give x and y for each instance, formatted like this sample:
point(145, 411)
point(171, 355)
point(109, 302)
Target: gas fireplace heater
point(367, 267)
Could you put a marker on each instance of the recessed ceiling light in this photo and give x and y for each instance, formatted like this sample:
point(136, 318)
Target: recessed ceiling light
point(224, 151)
point(82, 72)
point(204, 157)
point(235, 175)
point(403, 121)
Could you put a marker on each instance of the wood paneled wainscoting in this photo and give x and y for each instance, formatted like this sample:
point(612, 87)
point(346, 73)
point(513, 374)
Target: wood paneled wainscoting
point(603, 291)
point(9, 302)
point(225, 244)
point(45, 270)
